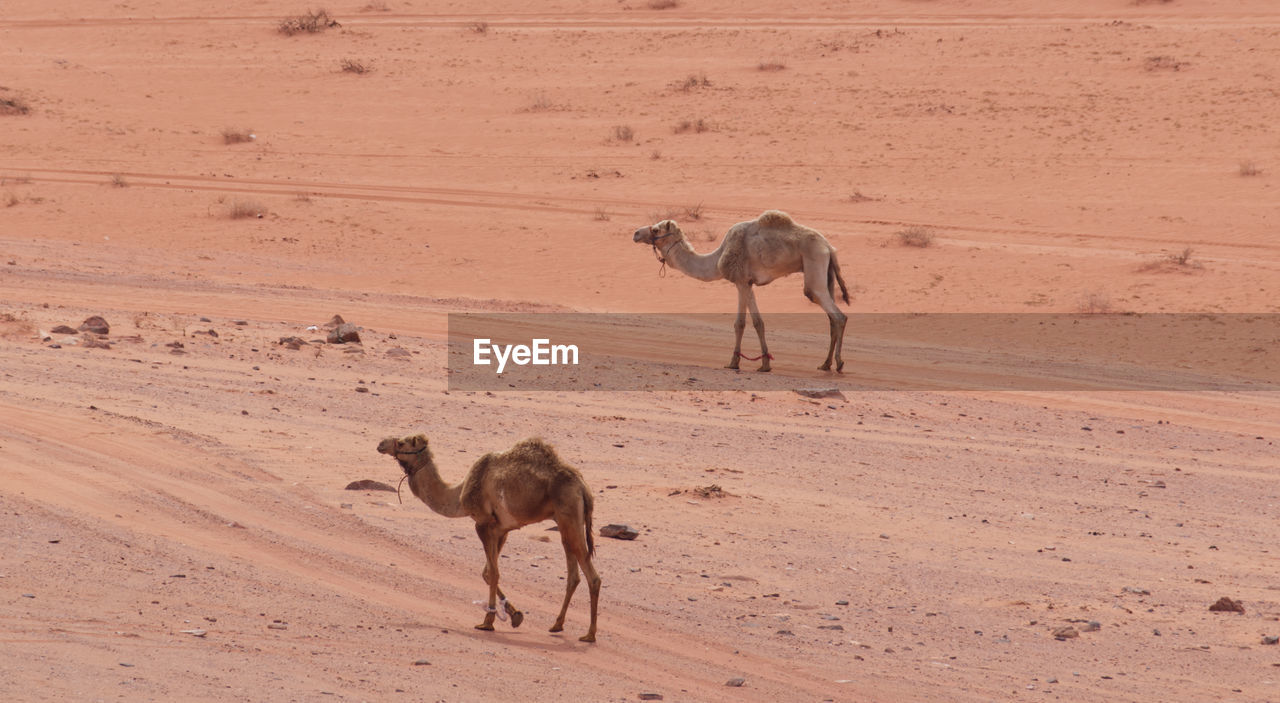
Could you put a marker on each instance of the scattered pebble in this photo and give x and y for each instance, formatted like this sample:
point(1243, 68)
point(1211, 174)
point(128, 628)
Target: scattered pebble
point(422, 662)
point(1065, 633)
point(277, 626)
point(650, 696)
point(195, 633)
point(1270, 639)
point(735, 682)
point(1135, 589)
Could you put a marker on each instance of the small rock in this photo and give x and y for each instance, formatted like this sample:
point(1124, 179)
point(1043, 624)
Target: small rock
point(343, 333)
point(1226, 605)
point(126, 664)
point(361, 389)
point(786, 633)
point(62, 329)
point(842, 602)
point(650, 696)
point(1135, 589)
point(1092, 626)
point(736, 682)
point(293, 342)
point(1065, 633)
point(195, 633)
point(819, 393)
point(367, 484)
point(422, 662)
point(96, 325)
point(1270, 639)
point(831, 627)
point(277, 626)
point(398, 353)
point(335, 321)
point(619, 532)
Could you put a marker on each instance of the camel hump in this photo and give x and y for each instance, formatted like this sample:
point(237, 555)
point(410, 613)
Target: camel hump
point(775, 218)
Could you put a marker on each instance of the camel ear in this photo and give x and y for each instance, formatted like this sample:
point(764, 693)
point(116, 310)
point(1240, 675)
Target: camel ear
point(414, 443)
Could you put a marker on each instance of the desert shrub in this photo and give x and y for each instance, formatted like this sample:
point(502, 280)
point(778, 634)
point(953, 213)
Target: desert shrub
point(623, 133)
point(14, 105)
point(242, 209)
point(355, 66)
point(696, 126)
point(312, 22)
point(916, 236)
point(231, 135)
point(1094, 302)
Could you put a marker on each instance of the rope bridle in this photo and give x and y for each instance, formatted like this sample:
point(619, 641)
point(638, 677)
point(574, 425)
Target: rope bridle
point(406, 473)
point(662, 258)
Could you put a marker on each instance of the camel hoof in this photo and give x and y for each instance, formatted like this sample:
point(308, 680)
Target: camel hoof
point(517, 617)
point(487, 627)
point(556, 628)
point(731, 366)
point(765, 369)
point(587, 638)
point(840, 367)
point(825, 367)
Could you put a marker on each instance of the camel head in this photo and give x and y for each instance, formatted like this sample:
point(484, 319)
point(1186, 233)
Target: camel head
point(397, 448)
point(658, 232)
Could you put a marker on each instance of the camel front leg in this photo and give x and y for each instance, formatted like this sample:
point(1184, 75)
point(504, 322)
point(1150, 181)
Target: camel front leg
point(739, 324)
point(492, 541)
point(517, 617)
point(758, 322)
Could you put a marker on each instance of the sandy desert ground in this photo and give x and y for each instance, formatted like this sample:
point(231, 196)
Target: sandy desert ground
point(173, 519)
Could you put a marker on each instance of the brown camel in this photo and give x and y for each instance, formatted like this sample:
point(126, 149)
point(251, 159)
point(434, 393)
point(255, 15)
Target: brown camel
point(503, 492)
point(754, 253)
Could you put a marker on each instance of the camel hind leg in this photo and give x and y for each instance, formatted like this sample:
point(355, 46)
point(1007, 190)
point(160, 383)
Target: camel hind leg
point(577, 556)
point(817, 285)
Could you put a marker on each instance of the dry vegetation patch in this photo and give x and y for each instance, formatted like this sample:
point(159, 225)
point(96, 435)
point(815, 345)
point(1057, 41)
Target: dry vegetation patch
point(692, 82)
point(1164, 63)
point(244, 209)
point(1179, 262)
point(232, 135)
point(1095, 302)
point(312, 22)
point(14, 105)
point(916, 236)
point(356, 66)
point(697, 126)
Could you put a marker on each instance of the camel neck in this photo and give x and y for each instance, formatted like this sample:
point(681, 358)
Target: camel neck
point(684, 259)
point(425, 482)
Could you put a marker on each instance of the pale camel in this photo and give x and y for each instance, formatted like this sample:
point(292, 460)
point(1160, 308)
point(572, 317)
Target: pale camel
point(754, 253)
point(503, 492)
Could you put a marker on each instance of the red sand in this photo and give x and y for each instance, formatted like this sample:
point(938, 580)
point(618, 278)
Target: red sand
point(1057, 156)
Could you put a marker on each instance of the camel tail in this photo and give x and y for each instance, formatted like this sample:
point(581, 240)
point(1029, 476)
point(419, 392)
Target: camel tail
point(834, 277)
point(588, 505)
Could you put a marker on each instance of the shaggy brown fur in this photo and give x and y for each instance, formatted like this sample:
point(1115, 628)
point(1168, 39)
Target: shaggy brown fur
point(754, 253)
point(503, 492)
